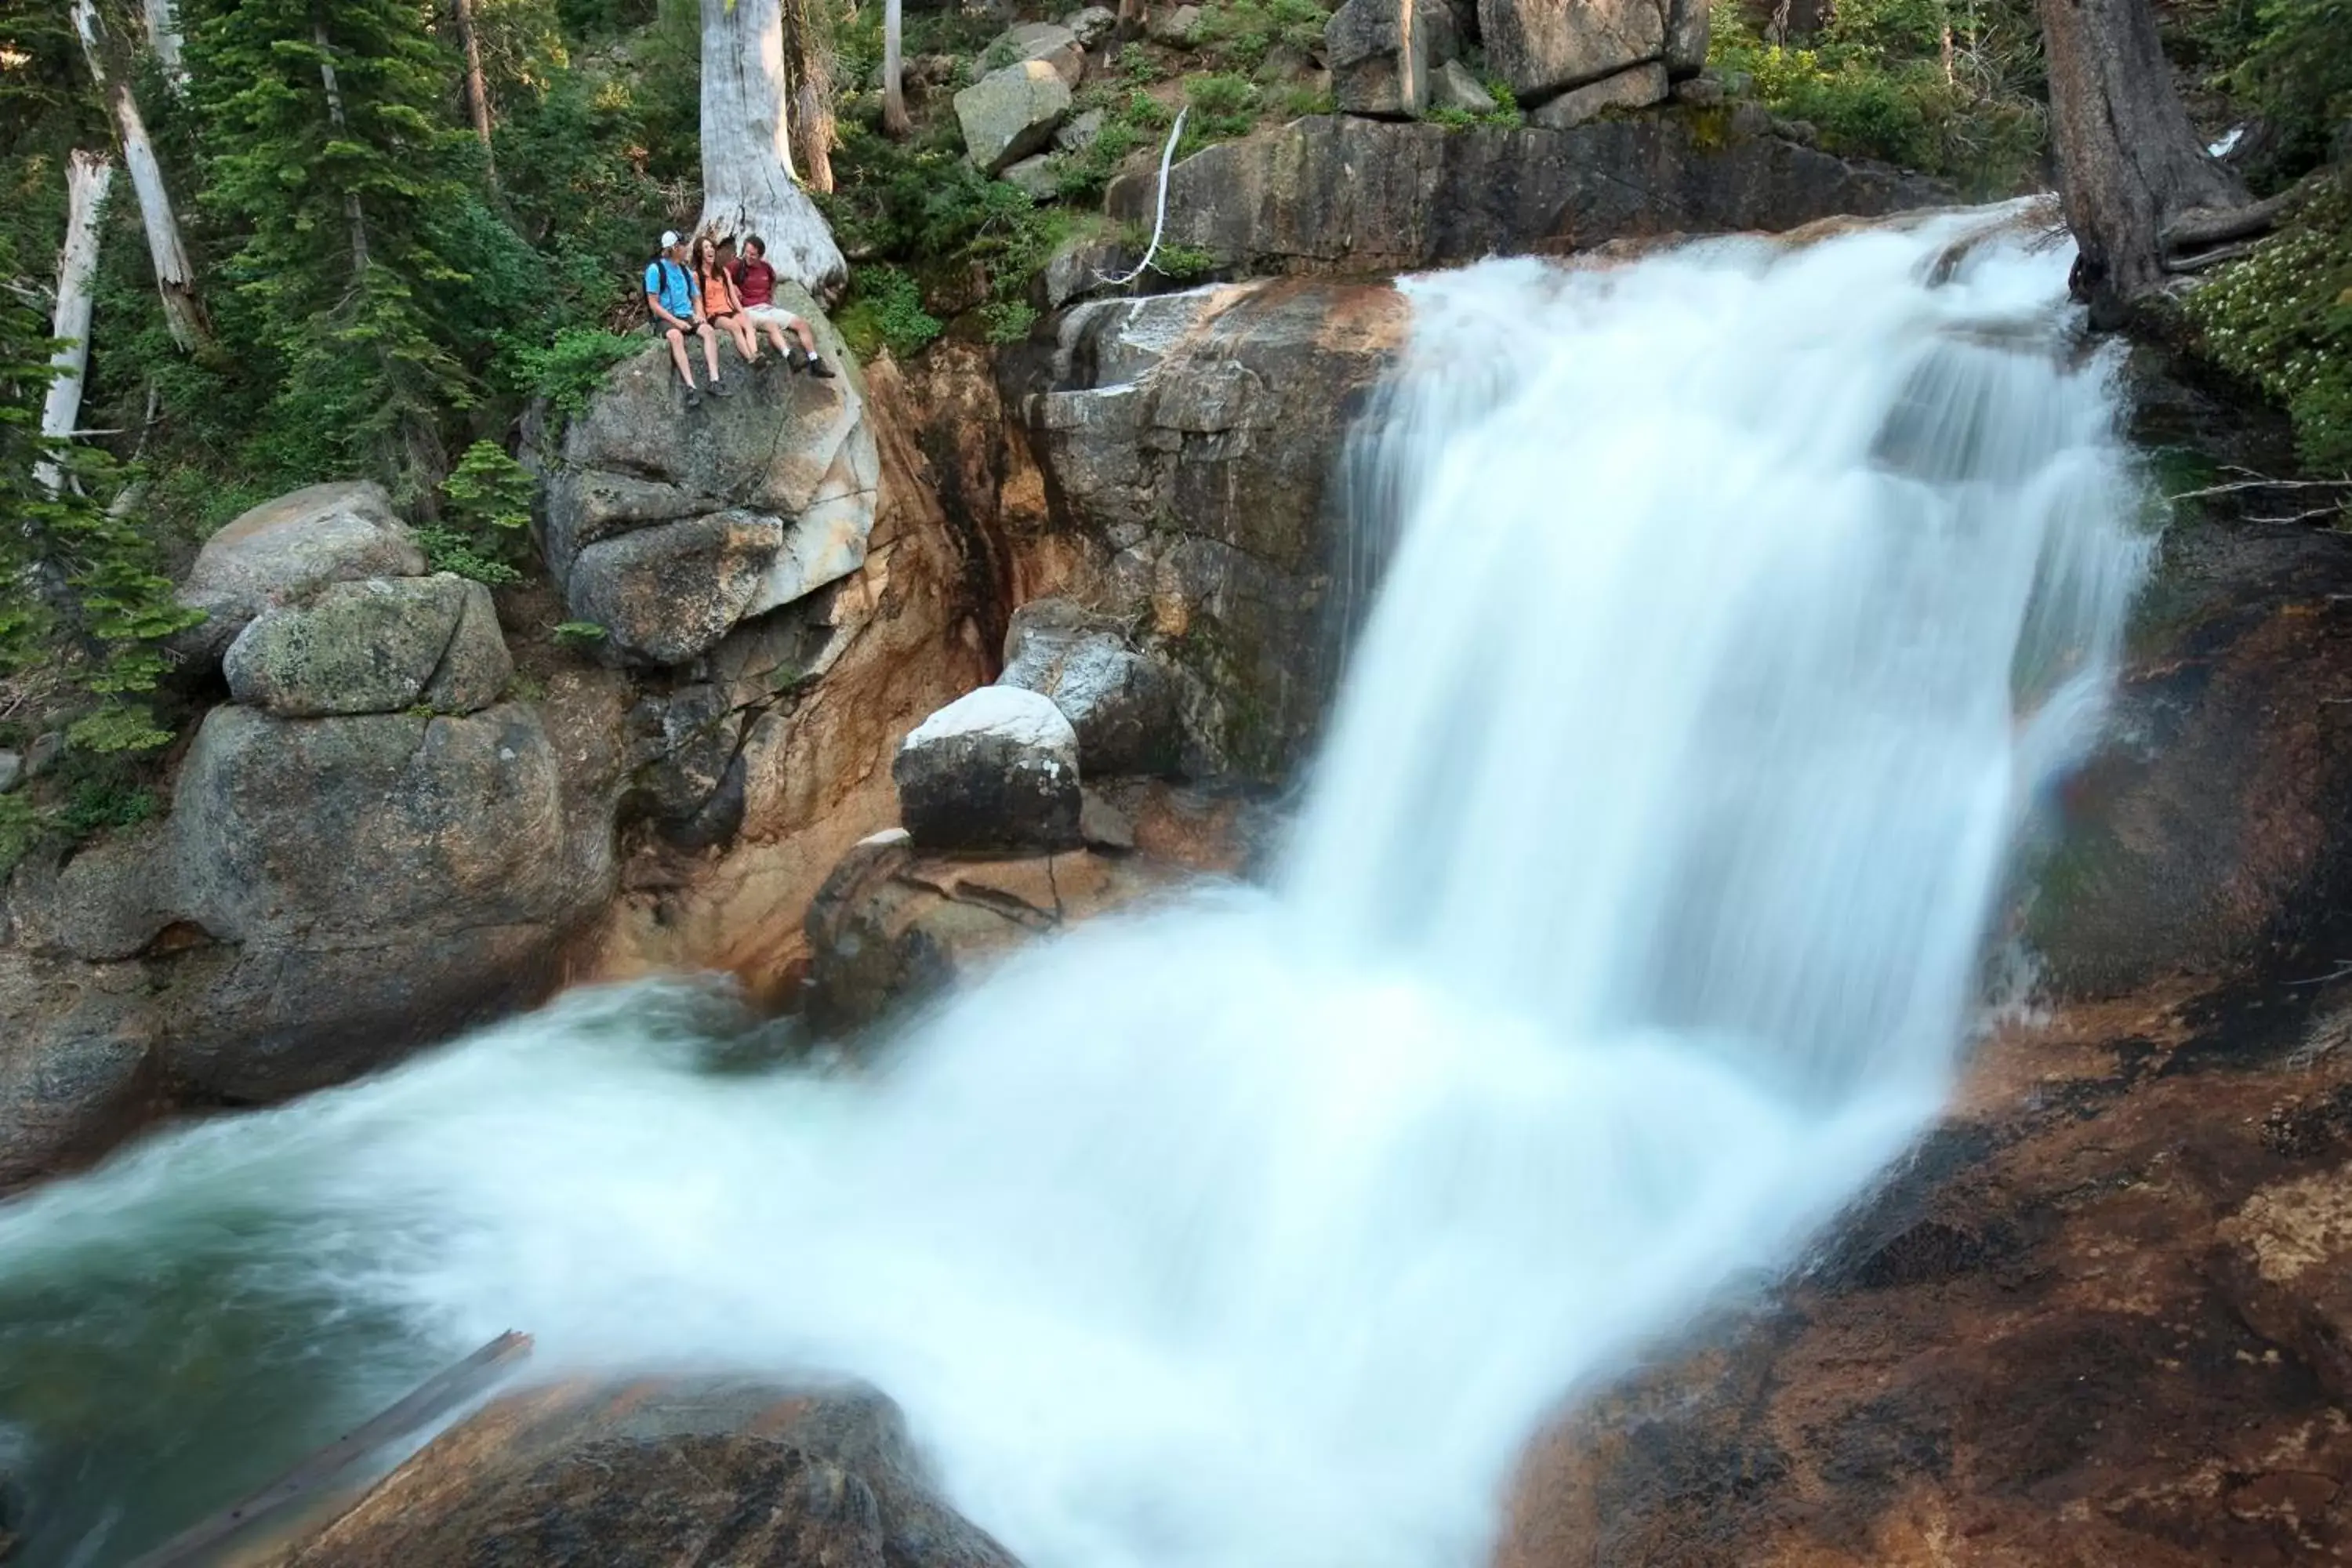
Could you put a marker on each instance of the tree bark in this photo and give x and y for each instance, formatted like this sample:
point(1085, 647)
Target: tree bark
point(2129, 164)
point(355, 215)
point(895, 122)
point(808, 69)
point(477, 92)
point(163, 38)
point(176, 280)
point(89, 176)
point(747, 183)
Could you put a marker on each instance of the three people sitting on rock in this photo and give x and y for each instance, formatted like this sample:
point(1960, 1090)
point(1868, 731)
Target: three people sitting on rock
point(708, 296)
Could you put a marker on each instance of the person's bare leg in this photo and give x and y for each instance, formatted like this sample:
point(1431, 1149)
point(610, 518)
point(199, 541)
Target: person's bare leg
point(807, 338)
point(747, 342)
point(677, 356)
point(776, 334)
point(710, 348)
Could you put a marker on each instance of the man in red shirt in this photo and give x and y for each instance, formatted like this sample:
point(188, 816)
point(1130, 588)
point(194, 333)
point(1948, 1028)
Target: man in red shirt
point(755, 281)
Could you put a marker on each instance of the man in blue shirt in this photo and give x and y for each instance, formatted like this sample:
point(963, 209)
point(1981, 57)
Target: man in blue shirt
point(676, 301)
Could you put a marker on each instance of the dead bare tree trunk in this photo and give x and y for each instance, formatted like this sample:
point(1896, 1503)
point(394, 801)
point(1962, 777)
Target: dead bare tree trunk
point(895, 124)
point(163, 38)
point(355, 215)
point(477, 92)
point(747, 182)
point(176, 280)
point(2129, 164)
point(89, 176)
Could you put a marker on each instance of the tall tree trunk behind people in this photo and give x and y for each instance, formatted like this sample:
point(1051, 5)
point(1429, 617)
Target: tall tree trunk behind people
point(747, 186)
point(2130, 165)
point(89, 176)
point(895, 122)
point(176, 280)
point(477, 92)
point(808, 69)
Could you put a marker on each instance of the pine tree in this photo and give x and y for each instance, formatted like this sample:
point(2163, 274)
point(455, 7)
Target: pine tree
point(327, 150)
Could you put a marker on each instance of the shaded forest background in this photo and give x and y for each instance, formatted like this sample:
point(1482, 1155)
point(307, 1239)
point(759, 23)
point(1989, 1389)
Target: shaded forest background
point(495, 275)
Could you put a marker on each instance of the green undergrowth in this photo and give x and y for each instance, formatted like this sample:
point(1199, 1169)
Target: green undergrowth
point(2281, 320)
point(1952, 87)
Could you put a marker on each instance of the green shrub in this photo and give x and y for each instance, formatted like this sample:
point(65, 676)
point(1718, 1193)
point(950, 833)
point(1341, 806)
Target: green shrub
point(568, 371)
point(1008, 320)
point(2282, 319)
point(579, 634)
point(485, 522)
point(1224, 107)
point(885, 311)
point(1240, 34)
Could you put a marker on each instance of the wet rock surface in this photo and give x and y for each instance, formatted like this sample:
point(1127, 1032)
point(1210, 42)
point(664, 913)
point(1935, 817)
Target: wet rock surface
point(1191, 445)
point(669, 1474)
point(1365, 196)
point(2098, 1320)
point(895, 924)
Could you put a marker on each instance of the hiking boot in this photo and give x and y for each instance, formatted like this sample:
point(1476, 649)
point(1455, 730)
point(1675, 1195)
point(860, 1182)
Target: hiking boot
point(796, 358)
point(819, 369)
point(720, 389)
point(694, 398)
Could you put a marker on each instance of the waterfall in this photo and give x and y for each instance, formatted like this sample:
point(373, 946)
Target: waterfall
point(1736, 606)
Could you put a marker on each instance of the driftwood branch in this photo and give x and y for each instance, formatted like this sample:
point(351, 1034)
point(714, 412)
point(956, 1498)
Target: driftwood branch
point(2238, 486)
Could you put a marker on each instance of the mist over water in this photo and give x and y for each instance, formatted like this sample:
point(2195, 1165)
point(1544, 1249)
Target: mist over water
point(1736, 604)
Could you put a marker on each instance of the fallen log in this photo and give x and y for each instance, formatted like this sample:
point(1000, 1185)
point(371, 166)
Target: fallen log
point(431, 1400)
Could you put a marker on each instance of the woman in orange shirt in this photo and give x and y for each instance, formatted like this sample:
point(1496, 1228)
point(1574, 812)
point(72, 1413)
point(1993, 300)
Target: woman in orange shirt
point(721, 306)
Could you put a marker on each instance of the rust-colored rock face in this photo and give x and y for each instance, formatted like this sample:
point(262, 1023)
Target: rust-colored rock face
point(2100, 1320)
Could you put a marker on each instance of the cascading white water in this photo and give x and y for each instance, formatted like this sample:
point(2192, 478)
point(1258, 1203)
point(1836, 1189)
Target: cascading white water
point(1743, 601)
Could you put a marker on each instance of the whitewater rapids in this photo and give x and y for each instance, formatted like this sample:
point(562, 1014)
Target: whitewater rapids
point(1738, 604)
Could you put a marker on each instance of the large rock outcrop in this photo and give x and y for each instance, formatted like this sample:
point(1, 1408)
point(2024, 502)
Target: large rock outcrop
point(1367, 197)
point(1193, 441)
point(286, 549)
point(669, 527)
point(688, 1474)
point(379, 646)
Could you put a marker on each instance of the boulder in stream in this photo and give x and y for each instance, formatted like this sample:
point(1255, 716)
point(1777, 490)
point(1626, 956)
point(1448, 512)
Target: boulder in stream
point(996, 769)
